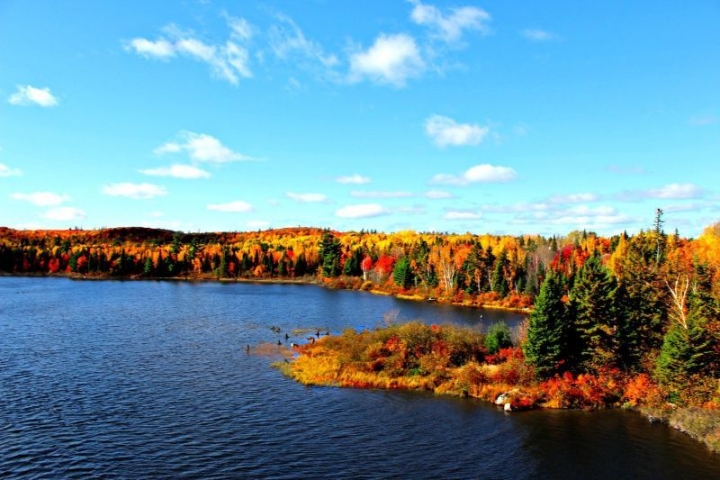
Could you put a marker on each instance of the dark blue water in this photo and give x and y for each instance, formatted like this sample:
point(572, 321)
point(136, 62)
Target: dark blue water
point(151, 380)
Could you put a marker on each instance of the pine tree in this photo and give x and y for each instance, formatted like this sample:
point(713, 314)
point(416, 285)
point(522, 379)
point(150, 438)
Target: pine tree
point(546, 347)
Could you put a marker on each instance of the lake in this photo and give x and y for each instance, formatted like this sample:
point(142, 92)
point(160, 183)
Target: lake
point(145, 379)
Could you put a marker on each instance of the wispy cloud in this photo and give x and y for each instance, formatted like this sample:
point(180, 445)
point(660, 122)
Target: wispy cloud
point(445, 131)
point(27, 95)
point(437, 194)
point(6, 171)
point(672, 191)
point(537, 35)
point(138, 191)
point(574, 198)
point(237, 206)
point(376, 194)
point(449, 27)
point(461, 215)
point(228, 61)
point(484, 173)
point(677, 191)
point(307, 197)
point(41, 199)
point(288, 40)
point(354, 179)
point(177, 171)
point(392, 59)
point(64, 214)
point(201, 147)
point(362, 211)
point(704, 120)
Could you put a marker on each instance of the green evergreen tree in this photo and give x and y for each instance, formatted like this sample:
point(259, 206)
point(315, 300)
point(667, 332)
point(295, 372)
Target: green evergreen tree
point(402, 273)
point(594, 339)
point(546, 347)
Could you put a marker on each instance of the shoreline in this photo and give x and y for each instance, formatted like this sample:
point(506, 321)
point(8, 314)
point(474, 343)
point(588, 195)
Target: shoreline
point(306, 280)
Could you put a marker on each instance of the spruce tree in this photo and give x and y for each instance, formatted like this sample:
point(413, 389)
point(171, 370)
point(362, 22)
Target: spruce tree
point(546, 347)
point(594, 339)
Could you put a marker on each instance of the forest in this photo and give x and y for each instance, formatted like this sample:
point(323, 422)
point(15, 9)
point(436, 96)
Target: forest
point(637, 312)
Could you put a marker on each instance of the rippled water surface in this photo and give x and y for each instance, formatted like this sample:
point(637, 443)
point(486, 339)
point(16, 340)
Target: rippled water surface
point(151, 380)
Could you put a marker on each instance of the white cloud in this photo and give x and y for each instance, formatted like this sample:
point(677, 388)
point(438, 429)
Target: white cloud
point(438, 194)
point(446, 131)
point(676, 191)
point(232, 207)
point(584, 210)
point(484, 173)
point(392, 59)
point(359, 194)
point(574, 198)
point(228, 61)
point(537, 35)
point(29, 95)
point(6, 171)
point(41, 199)
point(459, 215)
point(287, 39)
point(142, 191)
point(450, 27)
point(353, 179)
point(177, 171)
point(362, 211)
point(241, 28)
point(161, 48)
point(307, 197)
point(64, 214)
point(201, 148)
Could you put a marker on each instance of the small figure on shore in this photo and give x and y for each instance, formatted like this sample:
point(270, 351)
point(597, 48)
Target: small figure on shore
point(327, 332)
point(287, 337)
point(279, 343)
point(317, 333)
point(247, 348)
point(311, 339)
point(294, 345)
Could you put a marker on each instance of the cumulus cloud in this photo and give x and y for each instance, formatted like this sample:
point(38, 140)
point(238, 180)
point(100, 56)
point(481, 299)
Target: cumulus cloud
point(64, 214)
point(6, 171)
point(449, 27)
point(28, 95)
point(484, 173)
point(353, 179)
point(537, 35)
point(41, 199)
point(360, 194)
point(231, 207)
point(228, 61)
point(461, 215)
point(201, 147)
point(445, 131)
point(392, 59)
point(177, 171)
point(141, 191)
point(307, 197)
point(362, 211)
point(437, 194)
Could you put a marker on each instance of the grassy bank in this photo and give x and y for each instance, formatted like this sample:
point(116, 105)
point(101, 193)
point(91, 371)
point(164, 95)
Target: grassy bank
point(457, 361)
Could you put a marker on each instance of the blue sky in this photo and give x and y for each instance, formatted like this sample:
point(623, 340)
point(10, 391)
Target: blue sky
point(488, 117)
